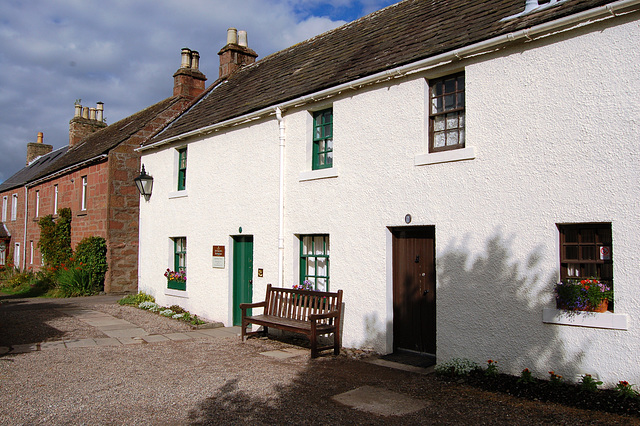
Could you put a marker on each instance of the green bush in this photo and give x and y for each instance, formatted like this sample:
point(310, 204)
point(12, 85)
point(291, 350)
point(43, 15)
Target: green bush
point(456, 367)
point(136, 299)
point(91, 253)
point(74, 280)
point(55, 238)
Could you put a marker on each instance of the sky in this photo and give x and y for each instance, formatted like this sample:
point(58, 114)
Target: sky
point(124, 53)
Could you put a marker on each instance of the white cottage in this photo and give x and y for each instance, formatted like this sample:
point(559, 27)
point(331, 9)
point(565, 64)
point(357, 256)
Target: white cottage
point(443, 163)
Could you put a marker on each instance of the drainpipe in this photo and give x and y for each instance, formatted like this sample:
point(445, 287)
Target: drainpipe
point(24, 245)
point(281, 224)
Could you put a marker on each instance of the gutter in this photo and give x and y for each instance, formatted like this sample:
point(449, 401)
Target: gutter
point(24, 246)
point(281, 139)
point(542, 30)
point(67, 170)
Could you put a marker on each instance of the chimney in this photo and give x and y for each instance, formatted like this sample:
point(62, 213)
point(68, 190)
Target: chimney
point(188, 81)
point(38, 149)
point(85, 121)
point(236, 53)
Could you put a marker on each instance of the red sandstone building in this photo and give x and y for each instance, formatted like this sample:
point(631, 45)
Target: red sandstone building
point(93, 176)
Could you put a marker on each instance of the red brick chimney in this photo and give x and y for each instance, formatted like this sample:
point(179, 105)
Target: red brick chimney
point(85, 121)
point(38, 149)
point(236, 53)
point(188, 81)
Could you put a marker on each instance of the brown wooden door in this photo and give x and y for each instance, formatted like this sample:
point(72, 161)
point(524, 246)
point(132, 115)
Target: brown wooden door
point(414, 289)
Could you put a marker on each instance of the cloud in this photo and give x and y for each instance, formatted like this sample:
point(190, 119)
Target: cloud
point(124, 53)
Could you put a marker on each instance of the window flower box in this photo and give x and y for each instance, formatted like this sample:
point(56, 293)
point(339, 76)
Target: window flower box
point(176, 280)
point(589, 295)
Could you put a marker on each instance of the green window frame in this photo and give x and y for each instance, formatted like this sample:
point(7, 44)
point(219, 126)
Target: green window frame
point(179, 262)
point(182, 168)
point(323, 139)
point(447, 113)
point(314, 260)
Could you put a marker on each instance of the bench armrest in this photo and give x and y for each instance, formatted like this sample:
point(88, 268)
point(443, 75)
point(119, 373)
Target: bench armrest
point(332, 314)
point(244, 306)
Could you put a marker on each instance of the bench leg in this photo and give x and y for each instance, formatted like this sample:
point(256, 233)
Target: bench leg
point(314, 340)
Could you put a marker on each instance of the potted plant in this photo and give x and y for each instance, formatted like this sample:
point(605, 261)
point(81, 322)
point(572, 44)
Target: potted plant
point(176, 280)
point(583, 295)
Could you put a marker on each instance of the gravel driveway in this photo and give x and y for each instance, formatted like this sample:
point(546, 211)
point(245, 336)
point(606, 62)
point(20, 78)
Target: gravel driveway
point(220, 381)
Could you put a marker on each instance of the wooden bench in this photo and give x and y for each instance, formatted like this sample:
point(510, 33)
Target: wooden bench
point(312, 313)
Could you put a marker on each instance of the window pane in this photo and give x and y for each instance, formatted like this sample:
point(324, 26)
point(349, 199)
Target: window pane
point(306, 245)
point(461, 136)
point(461, 82)
point(588, 235)
point(436, 105)
point(329, 143)
point(321, 159)
point(452, 121)
point(571, 252)
point(438, 123)
point(589, 270)
point(573, 269)
point(329, 158)
point(438, 88)
point(327, 131)
point(449, 85)
point(321, 284)
point(319, 245)
point(461, 119)
point(588, 253)
point(321, 266)
point(311, 266)
point(452, 138)
point(326, 245)
point(449, 102)
point(318, 133)
point(571, 235)
point(438, 140)
point(460, 100)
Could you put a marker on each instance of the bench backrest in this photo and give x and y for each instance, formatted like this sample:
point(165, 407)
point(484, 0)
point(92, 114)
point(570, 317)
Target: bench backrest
point(299, 304)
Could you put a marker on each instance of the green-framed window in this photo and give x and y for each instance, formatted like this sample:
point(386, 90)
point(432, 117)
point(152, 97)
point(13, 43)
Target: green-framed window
point(447, 113)
point(314, 260)
point(182, 168)
point(179, 262)
point(323, 139)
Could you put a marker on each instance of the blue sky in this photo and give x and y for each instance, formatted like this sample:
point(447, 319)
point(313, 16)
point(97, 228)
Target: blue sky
point(124, 53)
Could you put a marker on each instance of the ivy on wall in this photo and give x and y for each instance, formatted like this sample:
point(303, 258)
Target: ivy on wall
point(55, 238)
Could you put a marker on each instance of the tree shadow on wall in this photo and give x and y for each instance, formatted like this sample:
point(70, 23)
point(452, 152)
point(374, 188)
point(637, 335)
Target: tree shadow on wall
point(490, 307)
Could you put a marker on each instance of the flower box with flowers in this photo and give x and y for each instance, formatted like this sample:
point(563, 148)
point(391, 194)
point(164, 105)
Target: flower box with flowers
point(583, 295)
point(176, 280)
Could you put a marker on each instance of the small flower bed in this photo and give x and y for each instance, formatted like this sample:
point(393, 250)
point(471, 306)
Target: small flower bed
point(623, 399)
point(146, 302)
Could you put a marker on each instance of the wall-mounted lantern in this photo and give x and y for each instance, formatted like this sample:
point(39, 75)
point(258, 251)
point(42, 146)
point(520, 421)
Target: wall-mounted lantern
point(144, 182)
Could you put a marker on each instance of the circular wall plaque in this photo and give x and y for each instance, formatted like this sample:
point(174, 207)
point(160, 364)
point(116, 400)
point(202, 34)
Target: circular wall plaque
point(407, 219)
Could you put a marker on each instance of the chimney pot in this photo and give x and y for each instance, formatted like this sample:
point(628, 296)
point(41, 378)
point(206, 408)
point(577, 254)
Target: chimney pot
point(195, 60)
point(40, 137)
point(85, 112)
point(78, 110)
point(186, 58)
point(92, 114)
point(242, 38)
point(232, 36)
point(99, 110)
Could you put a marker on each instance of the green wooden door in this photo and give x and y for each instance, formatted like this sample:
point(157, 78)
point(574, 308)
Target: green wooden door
point(242, 275)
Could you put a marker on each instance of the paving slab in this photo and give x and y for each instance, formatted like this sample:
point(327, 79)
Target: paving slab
point(131, 340)
point(221, 332)
point(178, 336)
point(380, 401)
point(80, 343)
point(279, 354)
point(197, 335)
point(107, 341)
point(3, 350)
point(56, 344)
point(126, 333)
point(154, 338)
point(25, 348)
point(107, 322)
point(403, 367)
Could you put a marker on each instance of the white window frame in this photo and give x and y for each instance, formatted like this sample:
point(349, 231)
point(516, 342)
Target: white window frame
point(55, 199)
point(5, 201)
point(38, 203)
point(16, 255)
point(14, 207)
point(83, 200)
point(30, 252)
point(3, 254)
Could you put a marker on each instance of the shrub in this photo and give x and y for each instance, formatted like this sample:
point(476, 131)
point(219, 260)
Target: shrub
point(589, 384)
point(55, 238)
point(74, 280)
point(136, 299)
point(92, 253)
point(456, 367)
point(526, 377)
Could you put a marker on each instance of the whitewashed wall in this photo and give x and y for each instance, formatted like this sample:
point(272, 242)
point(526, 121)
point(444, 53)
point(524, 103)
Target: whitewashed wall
point(554, 125)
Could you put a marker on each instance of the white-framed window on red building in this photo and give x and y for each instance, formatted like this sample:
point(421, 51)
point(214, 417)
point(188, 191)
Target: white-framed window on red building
point(83, 202)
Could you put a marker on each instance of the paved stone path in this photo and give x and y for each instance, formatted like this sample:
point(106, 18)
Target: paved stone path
point(119, 332)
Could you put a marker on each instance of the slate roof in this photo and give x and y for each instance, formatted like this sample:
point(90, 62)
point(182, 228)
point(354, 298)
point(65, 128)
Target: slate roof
point(94, 145)
point(397, 35)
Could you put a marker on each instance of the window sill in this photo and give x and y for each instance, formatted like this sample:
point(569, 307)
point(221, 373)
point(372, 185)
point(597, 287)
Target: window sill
point(331, 172)
point(82, 213)
point(179, 194)
point(176, 293)
point(586, 319)
point(468, 153)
